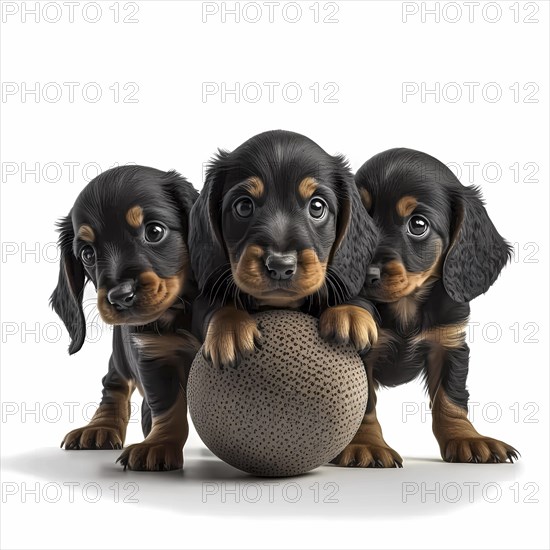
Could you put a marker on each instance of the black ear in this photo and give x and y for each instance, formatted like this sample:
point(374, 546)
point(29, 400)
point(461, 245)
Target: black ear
point(356, 233)
point(182, 192)
point(215, 179)
point(477, 252)
point(206, 244)
point(66, 299)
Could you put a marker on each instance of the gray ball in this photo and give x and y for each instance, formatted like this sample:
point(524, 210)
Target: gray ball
point(287, 408)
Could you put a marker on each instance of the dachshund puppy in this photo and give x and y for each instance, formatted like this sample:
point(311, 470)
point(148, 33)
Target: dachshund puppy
point(279, 224)
point(127, 233)
point(438, 250)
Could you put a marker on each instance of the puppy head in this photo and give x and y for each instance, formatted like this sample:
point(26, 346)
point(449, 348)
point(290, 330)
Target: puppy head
point(280, 207)
point(127, 234)
point(431, 227)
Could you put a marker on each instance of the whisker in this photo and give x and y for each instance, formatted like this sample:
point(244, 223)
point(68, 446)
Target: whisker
point(344, 291)
point(219, 284)
point(335, 292)
point(208, 288)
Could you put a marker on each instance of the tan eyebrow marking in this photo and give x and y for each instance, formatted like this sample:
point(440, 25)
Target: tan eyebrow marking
point(134, 216)
point(255, 186)
point(406, 205)
point(366, 198)
point(86, 233)
point(307, 187)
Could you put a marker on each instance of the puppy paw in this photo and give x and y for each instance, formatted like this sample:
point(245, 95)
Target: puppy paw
point(93, 438)
point(348, 324)
point(478, 450)
point(231, 333)
point(152, 456)
point(368, 456)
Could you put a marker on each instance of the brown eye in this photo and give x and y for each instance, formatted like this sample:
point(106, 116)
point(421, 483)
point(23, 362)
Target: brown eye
point(317, 208)
point(244, 208)
point(418, 226)
point(155, 232)
point(87, 255)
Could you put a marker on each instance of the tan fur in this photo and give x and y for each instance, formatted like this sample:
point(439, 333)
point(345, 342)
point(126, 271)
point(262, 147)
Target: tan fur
point(398, 283)
point(307, 188)
point(86, 233)
point(155, 346)
point(310, 276)
point(366, 198)
point(458, 440)
point(446, 336)
point(255, 186)
point(155, 296)
point(406, 205)
point(107, 428)
point(249, 274)
point(368, 447)
point(162, 448)
point(349, 323)
point(405, 310)
point(134, 216)
point(231, 332)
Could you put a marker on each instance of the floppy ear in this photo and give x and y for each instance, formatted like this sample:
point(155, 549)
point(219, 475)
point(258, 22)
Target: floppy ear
point(182, 191)
point(477, 252)
point(66, 299)
point(356, 233)
point(206, 244)
point(215, 182)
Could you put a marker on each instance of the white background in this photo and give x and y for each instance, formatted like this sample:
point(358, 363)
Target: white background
point(169, 53)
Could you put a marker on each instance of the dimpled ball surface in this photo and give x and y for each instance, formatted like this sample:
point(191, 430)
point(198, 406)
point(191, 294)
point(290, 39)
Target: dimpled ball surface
point(287, 408)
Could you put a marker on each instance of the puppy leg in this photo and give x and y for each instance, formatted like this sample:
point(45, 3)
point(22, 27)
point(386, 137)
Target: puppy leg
point(107, 428)
point(231, 333)
point(349, 323)
point(164, 363)
point(368, 449)
point(458, 440)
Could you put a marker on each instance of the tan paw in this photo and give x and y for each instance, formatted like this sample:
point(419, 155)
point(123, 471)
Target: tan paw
point(368, 456)
point(231, 333)
point(154, 456)
point(478, 449)
point(93, 438)
point(348, 323)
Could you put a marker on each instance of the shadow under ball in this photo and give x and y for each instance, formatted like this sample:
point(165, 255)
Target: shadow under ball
point(287, 408)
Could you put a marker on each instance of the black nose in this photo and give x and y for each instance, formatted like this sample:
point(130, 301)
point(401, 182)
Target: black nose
point(123, 295)
point(373, 275)
point(281, 266)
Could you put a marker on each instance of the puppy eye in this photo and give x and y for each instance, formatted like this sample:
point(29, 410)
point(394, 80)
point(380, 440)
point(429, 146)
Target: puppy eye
point(244, 207)
point(87, 255)
point(155, 232)
point(317, 208)
point(418, 226)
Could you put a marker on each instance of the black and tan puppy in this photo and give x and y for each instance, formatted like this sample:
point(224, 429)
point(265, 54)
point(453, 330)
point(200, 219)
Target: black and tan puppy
point(127, 233)
point(438, 250)
point(279, 224)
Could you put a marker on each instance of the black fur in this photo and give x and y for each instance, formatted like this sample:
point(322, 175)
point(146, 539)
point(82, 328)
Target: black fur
point(422, 280)
point(461, 237)
point(122, 254)
point(281, 160)
point(66, 299)
point(477, 252)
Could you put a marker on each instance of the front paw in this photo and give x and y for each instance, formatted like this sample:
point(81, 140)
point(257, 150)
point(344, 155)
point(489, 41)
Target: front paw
point(365, 455)
point(478, 449)
point(152, 456)
point(349, 324)
point(93, 438)
point(231, 333)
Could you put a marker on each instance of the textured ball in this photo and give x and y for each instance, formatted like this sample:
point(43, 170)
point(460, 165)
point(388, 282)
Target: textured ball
point(287, 408)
